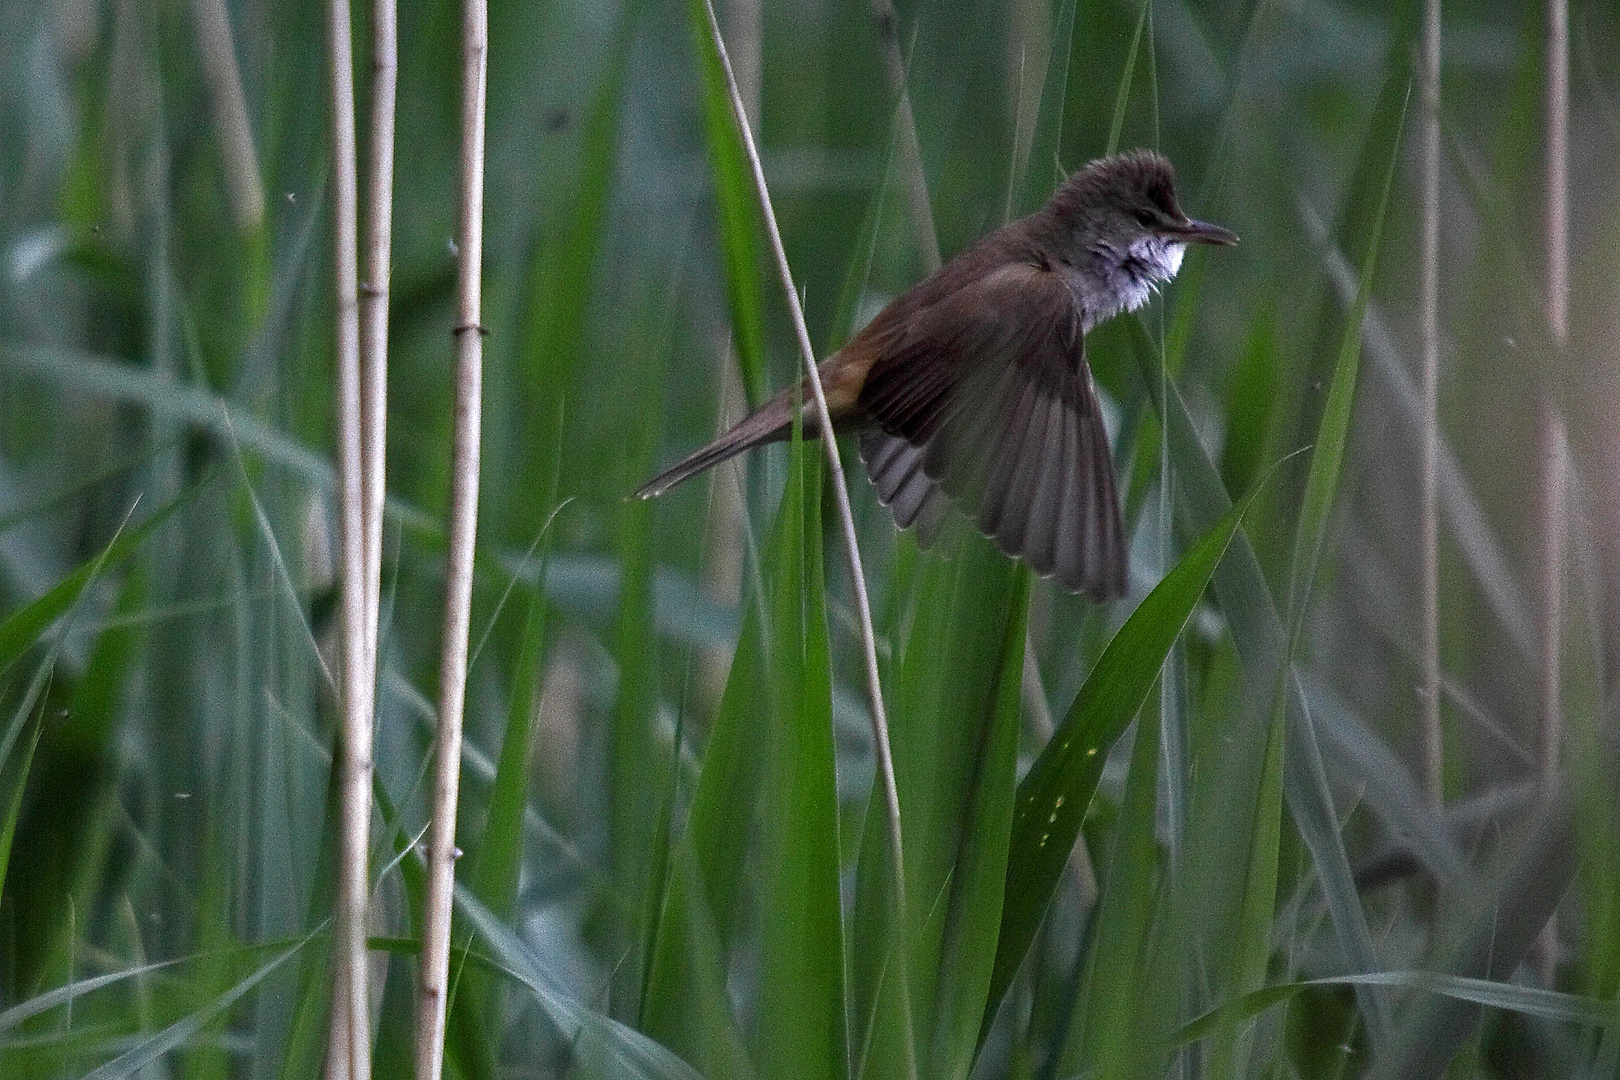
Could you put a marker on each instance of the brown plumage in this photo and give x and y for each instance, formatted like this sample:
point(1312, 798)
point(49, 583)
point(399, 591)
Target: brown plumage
point(972, 388)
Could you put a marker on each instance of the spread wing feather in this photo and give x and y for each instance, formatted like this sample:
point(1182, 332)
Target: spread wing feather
point(985, 396)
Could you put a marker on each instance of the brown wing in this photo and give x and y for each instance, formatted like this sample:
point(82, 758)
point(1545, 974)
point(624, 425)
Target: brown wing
point(985, 395)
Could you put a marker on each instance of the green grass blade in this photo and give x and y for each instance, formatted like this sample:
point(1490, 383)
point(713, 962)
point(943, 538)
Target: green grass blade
point(764, 818)
point(627, 1052)
point(1322, 481)
point(1116, 1002)
point(799, 1025)
point(948, 690)
point(500, 853)
point(554, 332)
point(638, 776)
point(15, 761)
point(1053, 797)
point(1122, 96)
point(1550, 1005)
point(1258, 633)
point(1251, 955)
point(23, 627)
point(1492, 938)
point(1247, 963)
point(968, 954)
point(1041, 173)
point(740, 233)
point(176, 1035)
point(686, 1004)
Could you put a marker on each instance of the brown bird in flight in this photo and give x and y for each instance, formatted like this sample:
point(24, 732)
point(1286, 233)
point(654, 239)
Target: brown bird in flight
point(973, 389)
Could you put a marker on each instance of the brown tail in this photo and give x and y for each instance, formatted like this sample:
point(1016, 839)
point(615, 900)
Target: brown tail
point(771, 423)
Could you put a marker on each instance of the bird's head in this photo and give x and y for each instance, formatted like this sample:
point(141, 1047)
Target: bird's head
point(1122, 232)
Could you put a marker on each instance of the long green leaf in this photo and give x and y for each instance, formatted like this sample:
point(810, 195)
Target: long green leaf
point(740, 232)
point(1257, 631)
point(1053, 797)
point(1247, 962)
point(968, 953)
point(1550, 1005)
point(1115, 1009)
point(15, 762)
point(24, 626)
point(949, 723)
point(767, 790)
point(176, 1035)
point(593, 1036)
point(1322, 481)
point(799, 1023)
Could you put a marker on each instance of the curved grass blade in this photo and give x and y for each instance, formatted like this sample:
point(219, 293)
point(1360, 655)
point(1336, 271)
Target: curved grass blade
point(799, 1020)
point(741, 242)
point(1322, 481)
point(623, 1050)
point(1115, 1008)
point(1493, 939)
point(1257, 632)
point(1053, 797)
point(24, 626)
point(956, 676)
point(1248, 960)
point(1550, 1005)
point(767, 803)
point(1122, 97)
point(968, 949)
point(149, 1050)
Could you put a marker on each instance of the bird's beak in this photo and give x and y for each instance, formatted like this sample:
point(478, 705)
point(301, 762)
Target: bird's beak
point(1201, 232)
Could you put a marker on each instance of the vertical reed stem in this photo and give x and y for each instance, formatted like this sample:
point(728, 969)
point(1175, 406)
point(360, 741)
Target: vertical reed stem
point(349, 1043)
point(374, 309)
point(441, 852)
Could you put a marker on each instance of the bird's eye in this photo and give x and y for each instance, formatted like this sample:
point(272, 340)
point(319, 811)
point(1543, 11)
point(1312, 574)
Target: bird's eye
point(1146, 218)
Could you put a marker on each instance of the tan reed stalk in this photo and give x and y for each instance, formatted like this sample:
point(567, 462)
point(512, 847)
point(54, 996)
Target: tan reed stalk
point(374, 310)
point(441, 848)
point(349, 1042)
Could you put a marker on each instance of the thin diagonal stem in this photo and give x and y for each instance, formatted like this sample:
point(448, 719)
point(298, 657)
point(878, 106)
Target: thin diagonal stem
point(880, 723)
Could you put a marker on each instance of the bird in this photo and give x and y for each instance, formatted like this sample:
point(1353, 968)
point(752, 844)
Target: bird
point(972, 388)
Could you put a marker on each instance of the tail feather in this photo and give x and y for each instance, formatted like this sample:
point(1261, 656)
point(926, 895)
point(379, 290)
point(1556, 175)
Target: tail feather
point(771, 423)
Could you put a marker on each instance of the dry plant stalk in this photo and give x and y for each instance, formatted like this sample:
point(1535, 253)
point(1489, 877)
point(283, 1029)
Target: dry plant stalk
point(349, 1041)
point(374, 309)
point(1429, 332)
point(846, 518)
point(441, 849)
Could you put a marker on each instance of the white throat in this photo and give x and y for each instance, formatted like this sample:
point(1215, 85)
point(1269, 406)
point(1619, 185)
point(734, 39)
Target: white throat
point(1128, 278)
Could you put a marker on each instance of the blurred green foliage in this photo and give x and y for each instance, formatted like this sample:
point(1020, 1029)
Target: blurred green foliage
point(675, 858)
